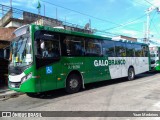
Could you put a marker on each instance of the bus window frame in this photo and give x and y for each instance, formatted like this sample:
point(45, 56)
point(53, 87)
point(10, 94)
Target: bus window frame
point(39, 59)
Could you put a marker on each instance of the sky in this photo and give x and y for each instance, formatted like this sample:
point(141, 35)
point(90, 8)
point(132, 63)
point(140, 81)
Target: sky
point(120, 17)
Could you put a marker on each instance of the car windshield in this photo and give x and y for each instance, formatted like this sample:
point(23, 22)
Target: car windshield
point(20, 51)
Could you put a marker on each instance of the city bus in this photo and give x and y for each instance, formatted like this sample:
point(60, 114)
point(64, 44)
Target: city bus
point(43, 58)
point(155, 57)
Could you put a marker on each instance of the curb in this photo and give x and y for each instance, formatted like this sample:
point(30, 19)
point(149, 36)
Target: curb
point(3, 91)
point(9, 94)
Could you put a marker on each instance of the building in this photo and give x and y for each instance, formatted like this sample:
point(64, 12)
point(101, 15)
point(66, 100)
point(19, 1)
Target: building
point(13, 18)
point(122, 37)
point(16, 18)
point(5, 37)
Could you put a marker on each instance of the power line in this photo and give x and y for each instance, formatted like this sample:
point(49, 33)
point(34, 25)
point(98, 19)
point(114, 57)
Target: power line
point(19, 12)
point(118, 25)
point(125, 24)
point(80, 13)
point(138, 3)
point(149, 3)
point(152, 19)
point(158, 33)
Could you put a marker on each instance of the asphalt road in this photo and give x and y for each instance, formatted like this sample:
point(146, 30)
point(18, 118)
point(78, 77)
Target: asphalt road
point(141, 94)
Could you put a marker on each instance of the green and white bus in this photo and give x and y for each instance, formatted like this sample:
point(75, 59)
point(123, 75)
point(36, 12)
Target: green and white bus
point(45, 58)
point(155, 57)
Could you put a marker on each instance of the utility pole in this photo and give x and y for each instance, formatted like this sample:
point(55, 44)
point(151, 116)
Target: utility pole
point(147, 32)
point(147, 27)
point(90, 24)
point(11, 8)
point(11, 4)
point(44, 11)
point(2, 11)
point(56, 18)
point(56, 14)
point(65, 20)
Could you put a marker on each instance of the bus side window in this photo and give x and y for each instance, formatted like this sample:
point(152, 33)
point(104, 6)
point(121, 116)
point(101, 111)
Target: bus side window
point(47, 48)
point(120, 49)
point(138, 51)
point(64, 45)
point(130, 51)
point(108, 48)
point(73, 46)
point(123, 49)
point(145, 51)
point(93, 47)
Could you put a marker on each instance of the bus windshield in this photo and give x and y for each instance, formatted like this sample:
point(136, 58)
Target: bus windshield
point(20, 54)
point(152, 55)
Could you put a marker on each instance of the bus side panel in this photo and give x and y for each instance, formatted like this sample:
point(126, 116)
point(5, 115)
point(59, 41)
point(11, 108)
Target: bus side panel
point(48, 76)
point(141, 65)
point(96, 69)
point(69, 64)
point(118, 68)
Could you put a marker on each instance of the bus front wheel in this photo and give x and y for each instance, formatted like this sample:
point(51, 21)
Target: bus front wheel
point(73, 83)
point(131, 73)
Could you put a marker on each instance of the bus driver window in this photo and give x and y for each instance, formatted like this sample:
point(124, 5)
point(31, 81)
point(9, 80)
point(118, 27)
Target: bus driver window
point(49, 48)
point(44, 51)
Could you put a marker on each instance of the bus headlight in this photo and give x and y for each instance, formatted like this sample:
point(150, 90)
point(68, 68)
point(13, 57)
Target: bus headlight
point(26, 77)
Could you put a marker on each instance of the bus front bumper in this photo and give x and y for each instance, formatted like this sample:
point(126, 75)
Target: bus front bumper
point(27, 86)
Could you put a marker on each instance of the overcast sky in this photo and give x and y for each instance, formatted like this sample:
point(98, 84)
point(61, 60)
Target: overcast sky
point(126, 17)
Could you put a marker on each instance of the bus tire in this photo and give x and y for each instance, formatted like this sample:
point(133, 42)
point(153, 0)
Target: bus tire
point(131, 73)
point(73, 83)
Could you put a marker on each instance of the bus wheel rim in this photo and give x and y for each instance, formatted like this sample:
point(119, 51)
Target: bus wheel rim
point(73, 83)
point(131, 74)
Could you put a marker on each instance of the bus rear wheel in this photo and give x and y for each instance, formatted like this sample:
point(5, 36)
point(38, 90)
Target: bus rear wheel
point(73, 83)
point(131, 73)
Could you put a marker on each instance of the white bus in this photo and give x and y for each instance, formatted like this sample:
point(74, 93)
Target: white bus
point(155, 57)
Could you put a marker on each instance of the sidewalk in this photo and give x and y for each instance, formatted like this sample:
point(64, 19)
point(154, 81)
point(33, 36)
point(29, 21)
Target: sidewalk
point(6, 93)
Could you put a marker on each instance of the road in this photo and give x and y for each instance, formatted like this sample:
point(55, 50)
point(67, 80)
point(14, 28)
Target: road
point(141, 94)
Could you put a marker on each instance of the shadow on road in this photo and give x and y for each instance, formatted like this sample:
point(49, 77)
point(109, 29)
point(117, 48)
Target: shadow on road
point(61, 92)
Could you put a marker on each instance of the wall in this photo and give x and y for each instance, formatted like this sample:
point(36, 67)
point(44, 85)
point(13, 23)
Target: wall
point(14, 24)
point(6, 34)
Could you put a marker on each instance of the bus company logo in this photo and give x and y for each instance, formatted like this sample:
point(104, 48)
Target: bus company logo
point(98, 63)
point(6, 114)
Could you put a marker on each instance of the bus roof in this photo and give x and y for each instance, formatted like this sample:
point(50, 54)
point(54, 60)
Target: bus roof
point(59, 30)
